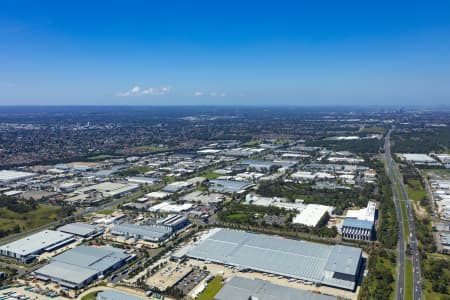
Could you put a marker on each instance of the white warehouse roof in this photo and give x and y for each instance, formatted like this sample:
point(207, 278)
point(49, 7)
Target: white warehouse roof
point(11, 175)
point(312, 214)
point(35, 242)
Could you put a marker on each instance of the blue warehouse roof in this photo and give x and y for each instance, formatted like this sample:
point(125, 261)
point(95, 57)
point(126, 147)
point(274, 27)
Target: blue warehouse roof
point(356, 223)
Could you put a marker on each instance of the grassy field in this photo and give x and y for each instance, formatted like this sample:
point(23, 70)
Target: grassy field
point(169, 179)
point(151, 149)
point(212, 289)
point(408, 279)
point(90, 296)
point(405, 220)
point(134, 171)
point(44, 214)
point(252, 143)
point(210, 175)
point(373, 129)
point(439, 172)
point(238, 217)
point(101, 157)
point(105, 211)
point(404, 213)
point(415, 190)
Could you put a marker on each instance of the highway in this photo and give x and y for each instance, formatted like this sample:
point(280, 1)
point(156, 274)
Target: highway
point(394, 175)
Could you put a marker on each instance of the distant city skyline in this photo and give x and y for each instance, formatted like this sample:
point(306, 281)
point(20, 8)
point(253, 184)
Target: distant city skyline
point(296, 53)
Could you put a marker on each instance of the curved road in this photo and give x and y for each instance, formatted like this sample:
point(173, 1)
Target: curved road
point(393, 172)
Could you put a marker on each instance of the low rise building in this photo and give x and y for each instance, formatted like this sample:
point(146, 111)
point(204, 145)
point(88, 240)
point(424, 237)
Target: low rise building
point(9, 176)
point(229, 186)
point(312, 214)
point(81, 230)
point(360, 224)
point(78, 267)
point(148, 233)
point(356, 229)
point(241, 288)
point(30, 247)
point(154, 232)
point(116, 295)
point(177, 187)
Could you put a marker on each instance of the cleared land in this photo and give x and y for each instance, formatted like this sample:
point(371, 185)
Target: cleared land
point(17, 222)
point(151, 149)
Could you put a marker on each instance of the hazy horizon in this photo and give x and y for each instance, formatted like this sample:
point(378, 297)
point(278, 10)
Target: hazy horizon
point(291, 53)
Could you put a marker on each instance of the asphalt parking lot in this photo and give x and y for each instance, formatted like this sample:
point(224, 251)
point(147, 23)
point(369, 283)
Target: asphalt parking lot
point(189, 282)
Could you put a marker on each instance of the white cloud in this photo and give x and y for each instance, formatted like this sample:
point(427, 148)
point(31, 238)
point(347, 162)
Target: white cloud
point(138, 91)
point(210, 94)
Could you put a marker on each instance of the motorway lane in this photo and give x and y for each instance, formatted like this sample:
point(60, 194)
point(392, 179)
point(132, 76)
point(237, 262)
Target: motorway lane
point(417, 279)
point(398, 211)
point(393, 171)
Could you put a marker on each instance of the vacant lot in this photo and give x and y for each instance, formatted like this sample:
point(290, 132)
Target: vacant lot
point(13, 222)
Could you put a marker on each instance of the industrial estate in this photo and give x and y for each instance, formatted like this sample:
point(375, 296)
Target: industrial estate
point(350, 209)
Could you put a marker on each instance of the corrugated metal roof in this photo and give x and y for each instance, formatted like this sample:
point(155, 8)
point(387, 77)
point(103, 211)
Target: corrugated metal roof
point(78, 229)
point(36, 242)
point(342, 260)
point(66, 272)
point(113, 295)
point(286, 257)
point(240, 288)
point(229, 186)
point(81, 263)
point(99, 259)
point(152, 232)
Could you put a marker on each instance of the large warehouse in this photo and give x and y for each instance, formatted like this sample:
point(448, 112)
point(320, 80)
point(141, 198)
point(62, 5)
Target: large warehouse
point(149, 233)
point(116, 295)
point(155, 233)
point(28, 248)
point(81, 229)
point(241, 288)
point(80, 266)
point(8, 176)
point(336, 266)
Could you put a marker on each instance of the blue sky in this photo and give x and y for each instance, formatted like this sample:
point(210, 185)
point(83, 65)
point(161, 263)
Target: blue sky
point(224, 52)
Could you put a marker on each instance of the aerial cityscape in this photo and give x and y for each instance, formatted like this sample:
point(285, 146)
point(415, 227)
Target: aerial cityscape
point(224, 151)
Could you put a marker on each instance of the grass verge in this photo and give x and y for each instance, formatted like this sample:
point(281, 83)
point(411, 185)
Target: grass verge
point(408, 279)
point(212, 289)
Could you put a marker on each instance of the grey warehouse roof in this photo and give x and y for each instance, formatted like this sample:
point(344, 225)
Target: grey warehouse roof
point(67, 272)
point(229, 186)
point(240, 288)
point(266, 164)
point(291, 258)
point(152, 232)
point(81, 263)
point(113, 295)
point(36, 242)
point(80, 229)
point(99, 259)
